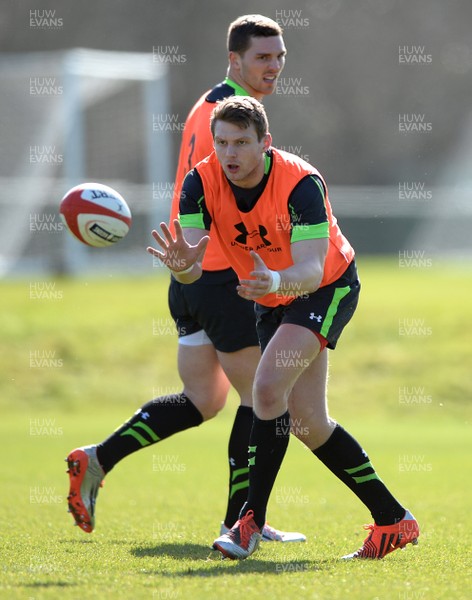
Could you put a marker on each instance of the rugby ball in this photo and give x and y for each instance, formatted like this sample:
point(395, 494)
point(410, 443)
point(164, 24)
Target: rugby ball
point(95, 214)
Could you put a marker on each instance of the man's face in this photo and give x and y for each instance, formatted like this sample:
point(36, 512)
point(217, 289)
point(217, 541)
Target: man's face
point(260, 66)
point(240, 153)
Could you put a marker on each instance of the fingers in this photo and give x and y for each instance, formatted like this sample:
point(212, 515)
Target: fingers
point(172, 250)
point(258, 262)
point(251, 289)
point(162, 243)
point(155, 253)
point(167, 233)
point(262, 275)
point(243, 292)
point(178, 229)
point(250, 293)
point(259, 282)
point(169, 240)
point(261, 270)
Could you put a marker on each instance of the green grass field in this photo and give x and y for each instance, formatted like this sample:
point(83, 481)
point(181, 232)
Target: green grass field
point(80, 356)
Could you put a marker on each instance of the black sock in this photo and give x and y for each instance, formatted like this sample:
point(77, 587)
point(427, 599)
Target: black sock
point(348, 461)
point(238, 467)
point(153, 422)
point(267, 446)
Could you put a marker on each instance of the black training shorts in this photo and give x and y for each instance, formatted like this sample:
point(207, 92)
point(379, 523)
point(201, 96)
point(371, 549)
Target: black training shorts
point(326, 311)
point(211, 303)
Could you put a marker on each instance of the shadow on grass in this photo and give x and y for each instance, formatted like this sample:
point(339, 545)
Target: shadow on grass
point(77, 541)
point(96, 541)
point(214, 565)
point(47, 584)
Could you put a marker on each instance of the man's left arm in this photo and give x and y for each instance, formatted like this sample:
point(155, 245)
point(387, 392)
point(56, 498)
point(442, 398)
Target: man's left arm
point(309, 238)
point(303, 277)
point(309, 247)
point(306, 273)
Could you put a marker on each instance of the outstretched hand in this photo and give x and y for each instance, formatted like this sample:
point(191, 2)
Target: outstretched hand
point(251, 289)
point(176, 253)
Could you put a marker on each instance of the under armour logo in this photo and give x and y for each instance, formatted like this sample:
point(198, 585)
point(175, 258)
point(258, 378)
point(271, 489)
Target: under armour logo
point(314, 317)
point(145, 415)
point(242, 239)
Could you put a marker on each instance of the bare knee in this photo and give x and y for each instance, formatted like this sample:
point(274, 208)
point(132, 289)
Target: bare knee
point(209, 401)
point(207, 393)
point(204, 380)
point(268, 396)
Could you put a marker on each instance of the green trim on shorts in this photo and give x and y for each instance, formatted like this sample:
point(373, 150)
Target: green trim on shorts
point(338, 295)
point(309, 232)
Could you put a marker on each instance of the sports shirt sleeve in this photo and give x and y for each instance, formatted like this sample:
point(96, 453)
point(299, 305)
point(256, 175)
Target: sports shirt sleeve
point(308, 215)
point(192, 208)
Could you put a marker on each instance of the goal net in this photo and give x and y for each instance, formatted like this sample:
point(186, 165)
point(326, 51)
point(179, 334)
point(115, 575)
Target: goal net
point(70, 117)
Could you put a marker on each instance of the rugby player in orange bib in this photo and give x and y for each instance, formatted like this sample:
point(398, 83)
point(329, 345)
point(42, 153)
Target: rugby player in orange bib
point(214, 349)
point(271, 214)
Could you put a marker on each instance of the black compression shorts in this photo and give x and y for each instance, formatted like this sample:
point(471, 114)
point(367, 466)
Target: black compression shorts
point(212, 304)
point(327, 311)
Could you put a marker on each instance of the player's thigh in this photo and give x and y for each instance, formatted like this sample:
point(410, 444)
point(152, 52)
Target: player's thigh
point(308, 405)
point(230, 323)
point(240, 368)
point(288, 354)
point(308, 396)
point(205, 382)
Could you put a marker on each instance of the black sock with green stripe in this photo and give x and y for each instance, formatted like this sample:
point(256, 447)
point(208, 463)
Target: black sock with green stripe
point(348, 461)
point(267, 447)
point(154, 421)
point(238, 467)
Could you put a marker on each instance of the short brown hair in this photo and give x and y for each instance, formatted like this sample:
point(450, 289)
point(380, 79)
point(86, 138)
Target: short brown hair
point(246, 27)
point(242, 111)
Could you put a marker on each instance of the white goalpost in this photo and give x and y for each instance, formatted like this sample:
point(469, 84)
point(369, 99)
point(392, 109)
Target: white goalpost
point(74, 116)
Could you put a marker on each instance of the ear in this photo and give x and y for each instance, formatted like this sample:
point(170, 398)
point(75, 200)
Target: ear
point(234, 60)
point(267, 141)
